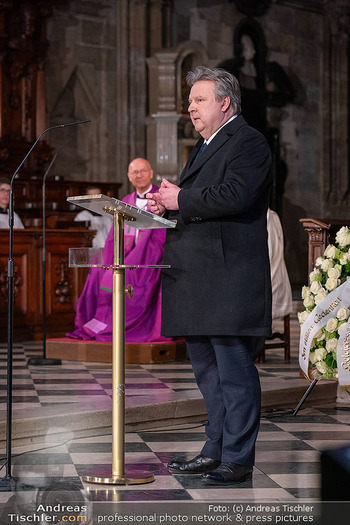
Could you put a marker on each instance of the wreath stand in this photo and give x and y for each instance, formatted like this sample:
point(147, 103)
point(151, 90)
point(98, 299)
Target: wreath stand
point(121, 212)
point(305, 396)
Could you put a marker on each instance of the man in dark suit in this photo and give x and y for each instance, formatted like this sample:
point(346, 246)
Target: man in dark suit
point(217, 293)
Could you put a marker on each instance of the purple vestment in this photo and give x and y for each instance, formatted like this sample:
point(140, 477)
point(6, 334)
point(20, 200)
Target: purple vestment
point(93, 319)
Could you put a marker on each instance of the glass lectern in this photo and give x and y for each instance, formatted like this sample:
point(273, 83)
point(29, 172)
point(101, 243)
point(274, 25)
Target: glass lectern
point(120, 213)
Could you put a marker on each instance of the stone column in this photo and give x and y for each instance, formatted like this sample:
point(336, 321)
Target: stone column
point(162, 123)
point(131, 85)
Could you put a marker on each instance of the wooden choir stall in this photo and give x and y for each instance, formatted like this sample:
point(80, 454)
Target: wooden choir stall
point(63, 284)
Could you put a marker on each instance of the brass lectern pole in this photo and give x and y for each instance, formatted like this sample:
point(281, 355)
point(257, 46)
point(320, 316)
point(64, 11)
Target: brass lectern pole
point(118, 351)
point(118, 475)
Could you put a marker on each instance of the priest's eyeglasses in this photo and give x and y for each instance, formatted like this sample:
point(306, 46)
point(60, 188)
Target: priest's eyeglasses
point(143, 171)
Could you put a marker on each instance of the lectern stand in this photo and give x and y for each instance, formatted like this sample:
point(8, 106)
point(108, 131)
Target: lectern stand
point(121, 213)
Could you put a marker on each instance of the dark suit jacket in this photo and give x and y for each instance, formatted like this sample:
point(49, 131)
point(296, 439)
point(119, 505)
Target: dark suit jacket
point(219, 281)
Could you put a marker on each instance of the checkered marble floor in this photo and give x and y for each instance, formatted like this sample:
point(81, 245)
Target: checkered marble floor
point(287, 464)
point(80, 382)
point(287, 454)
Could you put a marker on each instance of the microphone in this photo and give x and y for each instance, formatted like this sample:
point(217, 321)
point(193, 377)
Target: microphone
point(5, 482)
point(44, 361)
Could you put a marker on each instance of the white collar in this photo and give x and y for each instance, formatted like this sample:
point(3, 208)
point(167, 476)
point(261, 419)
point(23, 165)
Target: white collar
point(142, 195)
point(217, 131)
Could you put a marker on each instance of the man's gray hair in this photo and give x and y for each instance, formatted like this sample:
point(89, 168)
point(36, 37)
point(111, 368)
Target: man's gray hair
point(226, 85)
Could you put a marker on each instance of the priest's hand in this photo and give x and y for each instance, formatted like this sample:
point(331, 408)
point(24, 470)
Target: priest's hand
point(155, 203)
point(169, 195)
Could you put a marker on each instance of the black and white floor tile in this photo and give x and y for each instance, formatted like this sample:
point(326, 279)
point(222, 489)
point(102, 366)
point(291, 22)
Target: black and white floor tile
point(288, 449)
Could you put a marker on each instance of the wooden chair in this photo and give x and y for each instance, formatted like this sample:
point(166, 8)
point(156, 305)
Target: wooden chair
point(283, 341)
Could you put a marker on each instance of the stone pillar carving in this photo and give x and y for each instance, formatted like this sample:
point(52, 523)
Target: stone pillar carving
point(137, 76)
point(337, 110)
point(159, 32)
point(167, 145)
point(131, 84)
point(163, 120)
point(142, 27)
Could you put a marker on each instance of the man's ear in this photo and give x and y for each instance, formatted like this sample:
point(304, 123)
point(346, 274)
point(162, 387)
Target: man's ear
point(225, 103)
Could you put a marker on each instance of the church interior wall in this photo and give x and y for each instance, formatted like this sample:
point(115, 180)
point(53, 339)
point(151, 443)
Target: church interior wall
point(96, 68)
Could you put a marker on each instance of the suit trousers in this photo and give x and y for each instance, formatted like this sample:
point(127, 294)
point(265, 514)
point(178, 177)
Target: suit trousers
point(229, 382)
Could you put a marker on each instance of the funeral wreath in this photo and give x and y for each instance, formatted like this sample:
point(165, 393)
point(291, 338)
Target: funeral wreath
point(332, 308)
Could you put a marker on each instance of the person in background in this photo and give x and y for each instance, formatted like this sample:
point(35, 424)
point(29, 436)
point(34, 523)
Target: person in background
point(94, 319)
point(282, 302)
point(101, 223)
point(4, 204)
point(217, 291)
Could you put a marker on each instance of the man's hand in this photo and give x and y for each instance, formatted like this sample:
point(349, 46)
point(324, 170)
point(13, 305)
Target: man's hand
point(169, 195)
point(155, 203)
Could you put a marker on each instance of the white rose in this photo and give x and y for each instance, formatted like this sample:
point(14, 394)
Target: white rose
point(305, 292)
point(343, 241)
point(344, 259)
point(315, 275)
point(334, 273)
point(326, 265)
point(343, 236)
point(321, 367)
point(320, 354)
point(315, 287)
point(341, 328)
point(340, 232)
point(331, 344)
point(302, 316)
point(332, 284)
point(330, 251)
point(319, 335)
point(309, 302)
point(332, 324)
point(320, 296)
point(343, 313)
point(319, 261)
point(312, 358)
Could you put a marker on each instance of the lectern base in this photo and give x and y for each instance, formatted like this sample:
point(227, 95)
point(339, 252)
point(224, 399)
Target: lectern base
point(41, 361)
point(130, 477)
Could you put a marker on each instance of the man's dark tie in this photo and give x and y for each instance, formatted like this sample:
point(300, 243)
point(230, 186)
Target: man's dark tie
point(201, 149)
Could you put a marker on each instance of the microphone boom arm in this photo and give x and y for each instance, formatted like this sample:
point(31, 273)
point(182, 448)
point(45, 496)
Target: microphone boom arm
point(5, 482)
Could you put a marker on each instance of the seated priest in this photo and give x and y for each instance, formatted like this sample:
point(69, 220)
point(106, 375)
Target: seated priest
point(101, 223)
point(4, 204)
point(93, 319)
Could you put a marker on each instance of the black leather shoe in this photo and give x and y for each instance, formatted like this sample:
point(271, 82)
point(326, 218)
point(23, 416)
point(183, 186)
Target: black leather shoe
point(227, 473)
point(197, 465)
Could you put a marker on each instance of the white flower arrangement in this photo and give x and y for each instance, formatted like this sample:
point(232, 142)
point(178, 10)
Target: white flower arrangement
point(331, 270)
